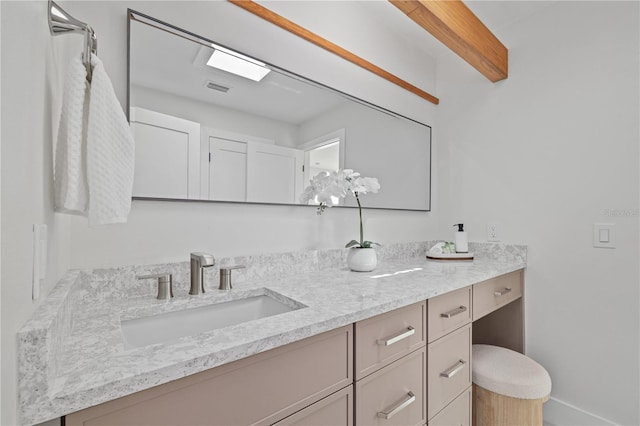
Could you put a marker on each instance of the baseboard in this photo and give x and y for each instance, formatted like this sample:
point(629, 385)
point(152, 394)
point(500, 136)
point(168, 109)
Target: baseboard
point(560, 413)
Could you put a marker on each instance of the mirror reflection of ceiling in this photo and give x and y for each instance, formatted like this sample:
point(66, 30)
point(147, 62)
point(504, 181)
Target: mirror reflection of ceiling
point(187, 75)
point(257, 142)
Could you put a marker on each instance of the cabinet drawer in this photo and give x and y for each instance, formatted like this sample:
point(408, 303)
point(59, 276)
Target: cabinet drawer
point(494, 293)
point(447, 312)
point(385, 338)
point(448, 368)
point(334, 410)
point(456, 413)
point(258, 390)
point(397, 392)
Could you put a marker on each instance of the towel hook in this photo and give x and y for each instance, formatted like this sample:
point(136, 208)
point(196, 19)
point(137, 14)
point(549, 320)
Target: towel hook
point(60, 22)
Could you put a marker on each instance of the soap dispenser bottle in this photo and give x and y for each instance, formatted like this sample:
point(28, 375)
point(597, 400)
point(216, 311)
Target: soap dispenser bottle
point(460, 239)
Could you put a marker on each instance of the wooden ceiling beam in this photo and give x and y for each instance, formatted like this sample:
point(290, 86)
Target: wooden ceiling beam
point(451, 22)
point(296, 29)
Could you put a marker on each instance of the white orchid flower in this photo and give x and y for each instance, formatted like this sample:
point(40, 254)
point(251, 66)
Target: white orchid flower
point(326, 188)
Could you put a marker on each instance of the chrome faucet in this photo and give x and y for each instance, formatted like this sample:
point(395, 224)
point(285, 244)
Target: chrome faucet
point(199, 261)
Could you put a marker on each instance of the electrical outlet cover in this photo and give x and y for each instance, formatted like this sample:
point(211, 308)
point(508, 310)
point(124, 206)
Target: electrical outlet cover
point(493, 234)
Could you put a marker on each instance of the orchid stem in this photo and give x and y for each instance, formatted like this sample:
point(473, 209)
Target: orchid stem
point(360, 211)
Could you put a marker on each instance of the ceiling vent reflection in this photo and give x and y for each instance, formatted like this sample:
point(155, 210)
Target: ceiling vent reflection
point(215, 86)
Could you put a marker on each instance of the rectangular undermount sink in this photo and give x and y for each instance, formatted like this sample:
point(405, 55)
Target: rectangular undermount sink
point(168, 326)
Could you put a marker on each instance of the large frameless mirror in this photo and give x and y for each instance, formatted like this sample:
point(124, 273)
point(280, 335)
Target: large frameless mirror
point(212, 124)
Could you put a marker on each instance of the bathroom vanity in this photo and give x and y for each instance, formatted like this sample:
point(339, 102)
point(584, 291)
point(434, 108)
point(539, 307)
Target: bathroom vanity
point(391, 346)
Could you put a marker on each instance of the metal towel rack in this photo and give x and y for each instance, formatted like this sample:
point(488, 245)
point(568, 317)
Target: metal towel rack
point(60, 22)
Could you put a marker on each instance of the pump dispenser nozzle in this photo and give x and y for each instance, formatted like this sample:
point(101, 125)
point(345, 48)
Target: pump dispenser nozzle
point(460, 227)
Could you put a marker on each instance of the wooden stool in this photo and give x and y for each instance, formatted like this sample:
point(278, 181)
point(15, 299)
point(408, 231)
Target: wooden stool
point(508, 388)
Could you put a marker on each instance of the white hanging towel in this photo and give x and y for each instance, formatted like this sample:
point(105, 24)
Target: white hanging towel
point(110, 152)
point(71, 194)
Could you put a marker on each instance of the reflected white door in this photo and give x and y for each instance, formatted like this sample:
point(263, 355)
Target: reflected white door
point(227, 170)
point(167, 158)
point(274, 173)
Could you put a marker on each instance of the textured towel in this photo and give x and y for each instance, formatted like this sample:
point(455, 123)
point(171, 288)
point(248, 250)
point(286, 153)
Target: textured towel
point(70, 181)
point(110, 152)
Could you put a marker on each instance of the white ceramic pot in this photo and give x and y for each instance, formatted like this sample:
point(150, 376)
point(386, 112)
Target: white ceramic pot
point(362, 259)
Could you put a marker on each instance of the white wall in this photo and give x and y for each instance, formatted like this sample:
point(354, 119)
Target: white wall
point(394, 150)
point(209, 115)
point(30, 97)
point(545, 154)
point(159, 231)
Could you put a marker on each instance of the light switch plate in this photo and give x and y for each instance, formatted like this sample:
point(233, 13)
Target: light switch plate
point(604, 235)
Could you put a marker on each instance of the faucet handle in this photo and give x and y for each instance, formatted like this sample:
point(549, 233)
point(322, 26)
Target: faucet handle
point(165, 284)
point(225, 276)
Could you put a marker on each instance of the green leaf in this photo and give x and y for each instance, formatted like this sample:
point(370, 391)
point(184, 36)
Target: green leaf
point(369, 244)
point(352, 243)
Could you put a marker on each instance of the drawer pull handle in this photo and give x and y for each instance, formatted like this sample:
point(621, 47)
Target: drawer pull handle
point(502, 292)
point(454, 312)
point(399, 406)
point(453, 370)
point(391, 340)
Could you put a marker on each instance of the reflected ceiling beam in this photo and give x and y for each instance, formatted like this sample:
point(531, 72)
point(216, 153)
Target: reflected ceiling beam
point(460, 30)
point(296, 29)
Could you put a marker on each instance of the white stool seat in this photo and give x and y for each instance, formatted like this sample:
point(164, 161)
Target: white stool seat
point(509, 373)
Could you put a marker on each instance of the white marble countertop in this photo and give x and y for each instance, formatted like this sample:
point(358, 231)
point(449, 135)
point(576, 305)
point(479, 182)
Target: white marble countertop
point(72, 354)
